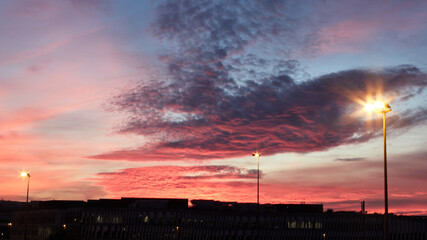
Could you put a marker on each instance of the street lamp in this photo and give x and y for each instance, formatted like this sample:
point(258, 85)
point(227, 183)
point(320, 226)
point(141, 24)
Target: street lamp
point(381, 107)
point(257, 155)
point(27, 175)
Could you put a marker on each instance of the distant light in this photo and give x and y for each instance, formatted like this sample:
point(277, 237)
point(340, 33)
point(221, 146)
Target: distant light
point(9, 224)
point(25, 174)
point(256, 154)
point(64, 226)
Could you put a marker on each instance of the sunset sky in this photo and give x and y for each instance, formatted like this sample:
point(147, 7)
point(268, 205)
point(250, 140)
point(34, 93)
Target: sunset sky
point(169, 99)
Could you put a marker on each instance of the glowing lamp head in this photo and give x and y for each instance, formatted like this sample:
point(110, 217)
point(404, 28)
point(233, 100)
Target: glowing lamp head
point(369, 107)
point(378, 106)
point(256, 154)
point(25, 174)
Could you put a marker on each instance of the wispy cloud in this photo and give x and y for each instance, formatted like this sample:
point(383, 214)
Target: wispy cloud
point(336, 184)
point(213, 181)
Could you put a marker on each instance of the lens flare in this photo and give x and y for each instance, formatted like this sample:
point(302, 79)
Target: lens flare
point(369, 107)
point(379, 105)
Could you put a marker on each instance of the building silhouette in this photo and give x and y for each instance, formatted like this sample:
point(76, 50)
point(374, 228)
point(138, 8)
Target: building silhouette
point(148, 218)
point(6, 210)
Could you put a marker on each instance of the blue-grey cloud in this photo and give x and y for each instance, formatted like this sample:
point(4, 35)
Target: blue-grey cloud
point(221, 99)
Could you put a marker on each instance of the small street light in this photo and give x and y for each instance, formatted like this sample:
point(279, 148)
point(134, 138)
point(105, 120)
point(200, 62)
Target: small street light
point(27, 175)
point(257, 155)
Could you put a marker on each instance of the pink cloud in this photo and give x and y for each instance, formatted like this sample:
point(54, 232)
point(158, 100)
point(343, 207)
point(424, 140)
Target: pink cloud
point(196, 182)
point(340, 184)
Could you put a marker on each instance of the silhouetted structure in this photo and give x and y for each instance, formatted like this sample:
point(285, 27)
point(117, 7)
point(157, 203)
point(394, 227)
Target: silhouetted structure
point(143, 218)
point(47, 219)
point(6, 210)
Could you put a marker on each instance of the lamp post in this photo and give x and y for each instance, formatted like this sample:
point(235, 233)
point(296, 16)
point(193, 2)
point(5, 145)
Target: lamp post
point(381, 107)
point(257, 155)
point(27, 175)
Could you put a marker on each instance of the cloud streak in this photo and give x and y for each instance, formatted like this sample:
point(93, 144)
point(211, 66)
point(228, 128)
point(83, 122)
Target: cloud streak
point(179, 181)
point(350, 159)
point(362, 181)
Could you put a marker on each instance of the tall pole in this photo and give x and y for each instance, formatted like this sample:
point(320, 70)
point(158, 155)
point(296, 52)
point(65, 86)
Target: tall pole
point(28, 186)
point(257, 197)
point(257, 154)
point(257, 190)
point(26, 207)
point(385, 182)
point(382, 107)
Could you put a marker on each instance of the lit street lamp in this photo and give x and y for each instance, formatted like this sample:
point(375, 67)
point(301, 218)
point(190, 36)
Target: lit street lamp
point(27, 175)
point(381, 107)
point(257, 155)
